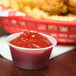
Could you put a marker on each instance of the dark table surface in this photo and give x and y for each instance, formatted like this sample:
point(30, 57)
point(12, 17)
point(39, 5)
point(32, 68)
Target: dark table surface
point(64, 65)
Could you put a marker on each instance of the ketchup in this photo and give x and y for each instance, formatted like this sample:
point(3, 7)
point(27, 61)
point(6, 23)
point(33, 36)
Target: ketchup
point(31, 40)
point(31, 58)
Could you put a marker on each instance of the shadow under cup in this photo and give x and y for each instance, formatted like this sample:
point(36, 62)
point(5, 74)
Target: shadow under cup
point(30, 58)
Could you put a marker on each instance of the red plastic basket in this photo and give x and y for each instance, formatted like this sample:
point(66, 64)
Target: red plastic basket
point(63, 31)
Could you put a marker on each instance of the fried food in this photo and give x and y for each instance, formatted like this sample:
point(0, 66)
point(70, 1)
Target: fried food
point(31, 3)
point(5, 3)
point(14, 5)
point(53, 7)
point(72, 6)
point(43, 9)
point(36, 13)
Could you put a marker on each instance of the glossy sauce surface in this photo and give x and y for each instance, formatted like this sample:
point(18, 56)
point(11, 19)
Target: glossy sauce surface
point(31, 40)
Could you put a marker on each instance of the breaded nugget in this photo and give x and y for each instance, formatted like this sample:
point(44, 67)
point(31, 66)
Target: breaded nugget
point(31, 3)
point(54, 7)
point(72, 6)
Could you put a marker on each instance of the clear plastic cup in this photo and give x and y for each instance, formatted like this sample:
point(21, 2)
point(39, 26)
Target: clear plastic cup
point(30, 58)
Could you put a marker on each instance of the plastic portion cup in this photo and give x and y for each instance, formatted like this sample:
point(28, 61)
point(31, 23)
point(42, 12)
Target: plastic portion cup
point(30, 58)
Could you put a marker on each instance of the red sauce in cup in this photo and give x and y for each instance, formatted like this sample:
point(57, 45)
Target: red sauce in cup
point(31, 50)
point(31, 40)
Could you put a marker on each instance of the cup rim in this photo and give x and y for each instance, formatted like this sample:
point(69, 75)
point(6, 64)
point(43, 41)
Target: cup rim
point(52, 40)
